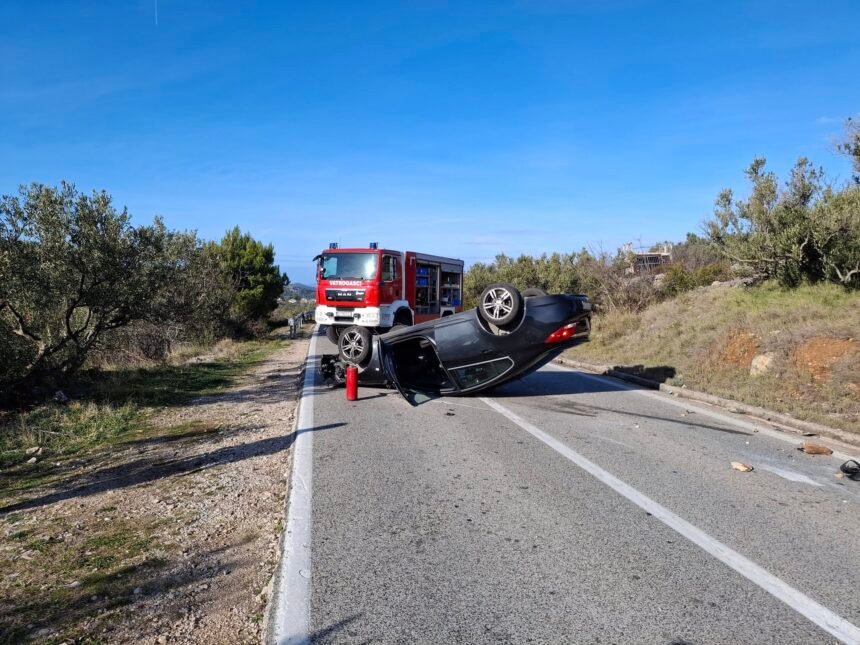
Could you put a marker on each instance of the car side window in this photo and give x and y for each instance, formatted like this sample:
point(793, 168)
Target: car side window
point(473, 375)
point(389, 268)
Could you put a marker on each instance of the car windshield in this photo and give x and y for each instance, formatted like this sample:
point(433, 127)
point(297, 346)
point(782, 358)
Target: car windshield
point(348, 266)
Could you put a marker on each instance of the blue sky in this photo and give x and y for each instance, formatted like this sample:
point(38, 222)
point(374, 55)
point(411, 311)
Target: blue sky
point(462, 129)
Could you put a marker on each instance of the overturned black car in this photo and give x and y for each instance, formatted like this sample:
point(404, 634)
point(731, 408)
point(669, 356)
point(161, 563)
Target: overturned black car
point(507, 336)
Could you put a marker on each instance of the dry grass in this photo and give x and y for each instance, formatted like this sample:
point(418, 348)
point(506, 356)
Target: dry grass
point(708, 337)
point(109, 404)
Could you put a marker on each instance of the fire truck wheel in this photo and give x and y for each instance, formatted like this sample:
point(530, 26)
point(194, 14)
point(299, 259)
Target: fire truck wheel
point(332, 332)
point(354, 344)
point(500, 304)
point(532, 292)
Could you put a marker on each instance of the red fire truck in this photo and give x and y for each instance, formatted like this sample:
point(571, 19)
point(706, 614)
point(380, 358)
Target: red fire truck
point(375, 288)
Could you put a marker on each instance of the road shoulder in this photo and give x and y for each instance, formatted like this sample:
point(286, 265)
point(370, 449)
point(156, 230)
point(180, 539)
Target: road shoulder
point(171, 538)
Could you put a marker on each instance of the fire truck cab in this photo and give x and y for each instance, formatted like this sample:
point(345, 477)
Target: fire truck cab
point(378, 288)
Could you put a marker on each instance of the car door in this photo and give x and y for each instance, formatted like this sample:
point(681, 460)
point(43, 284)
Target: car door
point(413, 396)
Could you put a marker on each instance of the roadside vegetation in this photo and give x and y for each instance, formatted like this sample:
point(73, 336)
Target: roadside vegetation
point(764, 307)
point(606, 278)
point(102, 321)
point(788, 350)
point(81, 286)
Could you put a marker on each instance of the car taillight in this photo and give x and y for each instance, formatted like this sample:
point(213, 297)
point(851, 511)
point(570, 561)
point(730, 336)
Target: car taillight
point(562, 333)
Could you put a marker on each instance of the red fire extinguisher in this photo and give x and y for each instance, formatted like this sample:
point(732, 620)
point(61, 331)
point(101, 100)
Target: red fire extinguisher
point(351, 383)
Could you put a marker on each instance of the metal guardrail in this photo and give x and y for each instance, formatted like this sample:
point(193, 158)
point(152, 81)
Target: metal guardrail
point(295, 323)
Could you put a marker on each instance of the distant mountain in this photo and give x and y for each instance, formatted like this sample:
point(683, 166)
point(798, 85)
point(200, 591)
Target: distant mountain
point(299, 290)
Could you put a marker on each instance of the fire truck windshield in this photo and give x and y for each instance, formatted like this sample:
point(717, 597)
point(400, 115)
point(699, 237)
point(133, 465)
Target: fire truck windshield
point(348, 266)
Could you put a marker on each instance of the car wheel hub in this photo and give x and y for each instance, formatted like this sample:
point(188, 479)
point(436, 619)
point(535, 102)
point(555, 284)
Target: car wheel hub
point(498, 303)
point(353, 345)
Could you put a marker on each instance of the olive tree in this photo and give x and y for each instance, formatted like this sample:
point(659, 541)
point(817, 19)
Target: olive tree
point(72, 268)
point(850, 145)
point(804, 230)
point(836, 235)
point(771, 231)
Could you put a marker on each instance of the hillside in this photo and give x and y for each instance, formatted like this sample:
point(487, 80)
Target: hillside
point(298, 290)
point(791, 351)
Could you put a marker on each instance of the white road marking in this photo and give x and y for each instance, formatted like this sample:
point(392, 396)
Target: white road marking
point(700, 408)
point(462, 405)
point(615, 441)
point(804, 605)
point(790, 475)
point(292, 608)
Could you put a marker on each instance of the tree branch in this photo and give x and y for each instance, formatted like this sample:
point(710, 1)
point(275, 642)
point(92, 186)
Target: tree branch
point(21, 329)
point(845, 279)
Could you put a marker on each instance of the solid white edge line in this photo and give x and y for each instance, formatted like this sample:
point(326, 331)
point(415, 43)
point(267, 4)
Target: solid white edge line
point(804, 605)
point(292, 610)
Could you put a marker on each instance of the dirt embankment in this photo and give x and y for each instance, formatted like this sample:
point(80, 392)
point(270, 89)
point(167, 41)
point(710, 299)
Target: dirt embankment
point(793, 351)
point(171, 538)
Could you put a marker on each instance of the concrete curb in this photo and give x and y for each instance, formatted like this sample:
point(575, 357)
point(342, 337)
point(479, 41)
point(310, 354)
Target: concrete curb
point(788, 422)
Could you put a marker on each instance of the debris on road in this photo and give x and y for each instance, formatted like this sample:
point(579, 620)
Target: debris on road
point(811, 448)
point(744, 468)
point(850, 468)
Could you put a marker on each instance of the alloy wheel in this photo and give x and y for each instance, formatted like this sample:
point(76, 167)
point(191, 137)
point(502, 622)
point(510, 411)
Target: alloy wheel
point(352, 345)
point(498, 303)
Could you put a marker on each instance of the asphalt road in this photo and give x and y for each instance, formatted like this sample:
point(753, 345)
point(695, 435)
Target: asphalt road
point(571, 508)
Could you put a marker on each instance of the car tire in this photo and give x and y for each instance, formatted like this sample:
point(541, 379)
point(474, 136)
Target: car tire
point(354, 344)
point(533, 292)
point(500, 304)
point(332, 332)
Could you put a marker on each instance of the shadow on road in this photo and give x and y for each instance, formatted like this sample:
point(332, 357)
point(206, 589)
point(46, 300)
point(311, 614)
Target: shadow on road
point(543, 386)
point(658, 373)
point(558, 383)
point(329, 634)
